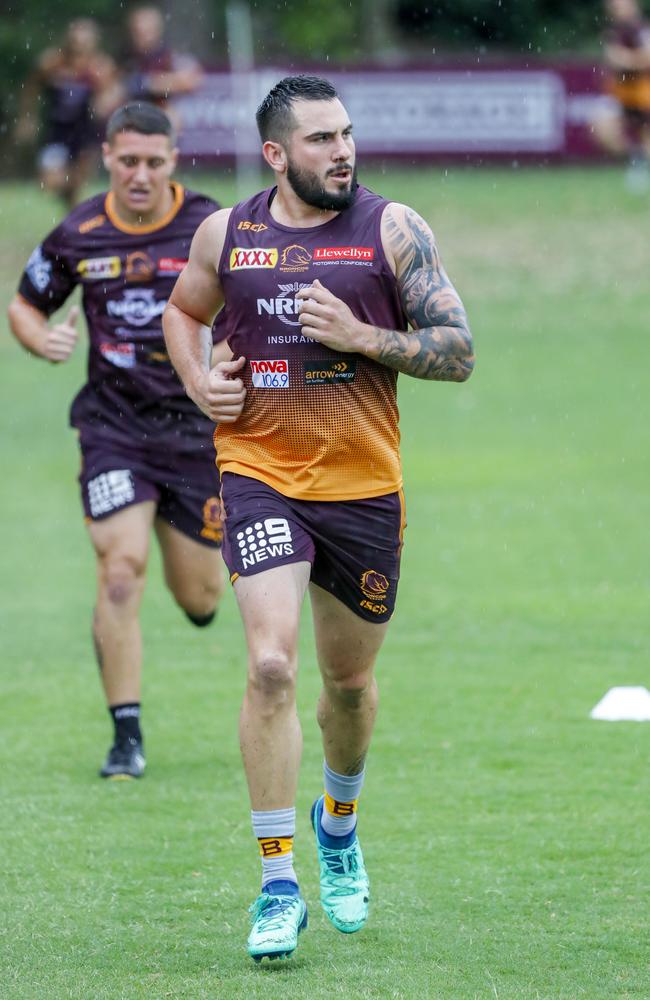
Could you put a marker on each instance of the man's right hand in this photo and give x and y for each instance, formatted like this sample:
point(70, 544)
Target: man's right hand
point(61, 339)
point(221, 394)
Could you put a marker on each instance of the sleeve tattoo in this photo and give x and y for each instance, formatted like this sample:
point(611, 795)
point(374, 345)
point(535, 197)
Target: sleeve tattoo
point(439, 345)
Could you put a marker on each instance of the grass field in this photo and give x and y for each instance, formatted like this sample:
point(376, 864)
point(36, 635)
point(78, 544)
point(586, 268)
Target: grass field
point(506, 834)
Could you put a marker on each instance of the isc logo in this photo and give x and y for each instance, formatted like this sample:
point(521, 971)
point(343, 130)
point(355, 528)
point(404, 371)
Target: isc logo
point(252, 227)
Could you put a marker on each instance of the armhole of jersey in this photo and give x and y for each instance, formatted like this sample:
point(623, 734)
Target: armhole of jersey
point(227, 241)
point(379, 215)
point(388, 269)
point(38, 309)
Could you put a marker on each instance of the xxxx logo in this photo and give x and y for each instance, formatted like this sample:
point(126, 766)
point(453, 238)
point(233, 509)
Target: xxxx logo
point(241, 258)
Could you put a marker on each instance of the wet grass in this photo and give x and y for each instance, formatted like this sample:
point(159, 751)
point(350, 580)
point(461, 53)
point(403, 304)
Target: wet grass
point(505, 833)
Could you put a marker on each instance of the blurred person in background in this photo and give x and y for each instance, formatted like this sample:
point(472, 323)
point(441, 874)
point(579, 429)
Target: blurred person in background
point(624, 129)
point(147, 454)
point(77, 87)
point(153, 71)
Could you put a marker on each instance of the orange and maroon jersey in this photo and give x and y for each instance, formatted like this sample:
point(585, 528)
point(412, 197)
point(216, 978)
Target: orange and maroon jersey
point(317, 424)
point(631, 89)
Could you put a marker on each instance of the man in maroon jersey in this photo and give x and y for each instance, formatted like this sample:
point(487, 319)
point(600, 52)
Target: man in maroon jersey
point(78, 86)
point(624, 127)
point(321, 280)
point(146, 449)
point(154, 71)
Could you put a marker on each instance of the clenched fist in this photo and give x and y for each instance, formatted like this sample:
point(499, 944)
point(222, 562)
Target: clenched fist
point(220, 394)
point(61, 339)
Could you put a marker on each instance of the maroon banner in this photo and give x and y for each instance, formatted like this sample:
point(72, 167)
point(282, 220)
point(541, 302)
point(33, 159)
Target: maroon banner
point(452, 112)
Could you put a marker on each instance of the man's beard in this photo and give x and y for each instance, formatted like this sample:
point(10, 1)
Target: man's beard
point(309, 189)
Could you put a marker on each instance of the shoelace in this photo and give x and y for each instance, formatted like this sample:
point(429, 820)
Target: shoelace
point(271, 911)
point(343, 867)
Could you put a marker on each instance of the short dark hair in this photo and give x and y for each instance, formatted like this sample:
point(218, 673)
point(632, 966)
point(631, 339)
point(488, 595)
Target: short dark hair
point(139, 116)
point(274, 116)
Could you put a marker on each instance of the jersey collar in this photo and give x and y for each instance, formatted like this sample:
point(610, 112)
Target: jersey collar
point(178, 192)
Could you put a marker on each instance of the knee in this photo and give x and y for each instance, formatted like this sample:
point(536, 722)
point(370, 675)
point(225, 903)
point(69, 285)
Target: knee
point(352, 692)
point(272, 677)
point(199, 598)
point(121, 579)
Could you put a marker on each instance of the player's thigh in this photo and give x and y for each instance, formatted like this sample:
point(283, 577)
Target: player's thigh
point(346, 644)
point(192, 569)
point(269, 554)
point(644, 135)
point(124, 537)
point(610, 129)
point(270, 603)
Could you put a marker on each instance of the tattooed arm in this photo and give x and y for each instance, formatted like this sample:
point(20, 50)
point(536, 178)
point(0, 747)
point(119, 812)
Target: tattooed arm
point(439, 345)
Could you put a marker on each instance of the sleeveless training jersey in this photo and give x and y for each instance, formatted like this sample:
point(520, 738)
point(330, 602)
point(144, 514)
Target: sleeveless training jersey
point(630, 88)
point(317, 424)
point(126, 274)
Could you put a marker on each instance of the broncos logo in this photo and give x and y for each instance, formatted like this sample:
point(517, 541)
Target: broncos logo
point(374, 585)
point(295, 258)
point(212, 519)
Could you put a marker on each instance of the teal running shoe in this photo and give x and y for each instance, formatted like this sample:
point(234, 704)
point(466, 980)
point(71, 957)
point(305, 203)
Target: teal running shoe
point(344, 885)
point(277, 921)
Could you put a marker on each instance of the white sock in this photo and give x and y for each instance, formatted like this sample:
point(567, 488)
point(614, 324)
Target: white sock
point(341, 797)
point(275, 831)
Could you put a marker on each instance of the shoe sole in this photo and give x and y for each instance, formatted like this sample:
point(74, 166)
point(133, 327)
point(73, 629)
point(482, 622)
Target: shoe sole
point(272, 955)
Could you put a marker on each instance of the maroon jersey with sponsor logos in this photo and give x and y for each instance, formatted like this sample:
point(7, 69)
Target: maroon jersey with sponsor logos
point(317, 424)
point(127, 274)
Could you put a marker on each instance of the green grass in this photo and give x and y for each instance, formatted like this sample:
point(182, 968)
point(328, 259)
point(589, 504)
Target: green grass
point(506, 834)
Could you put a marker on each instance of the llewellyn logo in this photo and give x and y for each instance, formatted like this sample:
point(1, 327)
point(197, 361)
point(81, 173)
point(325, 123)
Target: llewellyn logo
point(242, 259)
point(344, 253)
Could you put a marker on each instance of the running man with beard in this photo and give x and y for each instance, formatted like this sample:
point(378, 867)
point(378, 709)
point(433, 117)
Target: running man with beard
point(146, 450)
point(330, 292)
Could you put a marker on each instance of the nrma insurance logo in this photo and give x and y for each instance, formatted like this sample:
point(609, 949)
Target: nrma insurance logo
point(285, 306)
point(138, 307)
point(262, 540)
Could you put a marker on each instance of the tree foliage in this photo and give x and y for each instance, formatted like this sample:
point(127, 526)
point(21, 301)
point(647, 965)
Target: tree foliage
point(307, 32)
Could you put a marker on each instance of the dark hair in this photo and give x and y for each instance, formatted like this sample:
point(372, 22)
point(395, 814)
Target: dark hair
point(274, 116)
point(140, 117)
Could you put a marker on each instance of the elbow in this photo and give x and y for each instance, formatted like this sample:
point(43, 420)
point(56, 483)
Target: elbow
point(14, 312)
point(465, 368)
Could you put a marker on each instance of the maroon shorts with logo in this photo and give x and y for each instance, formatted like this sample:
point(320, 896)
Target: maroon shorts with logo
point(185, 488)
point(354, 546)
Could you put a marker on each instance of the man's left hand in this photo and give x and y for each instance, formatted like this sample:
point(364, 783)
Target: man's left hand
point(329, 320)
